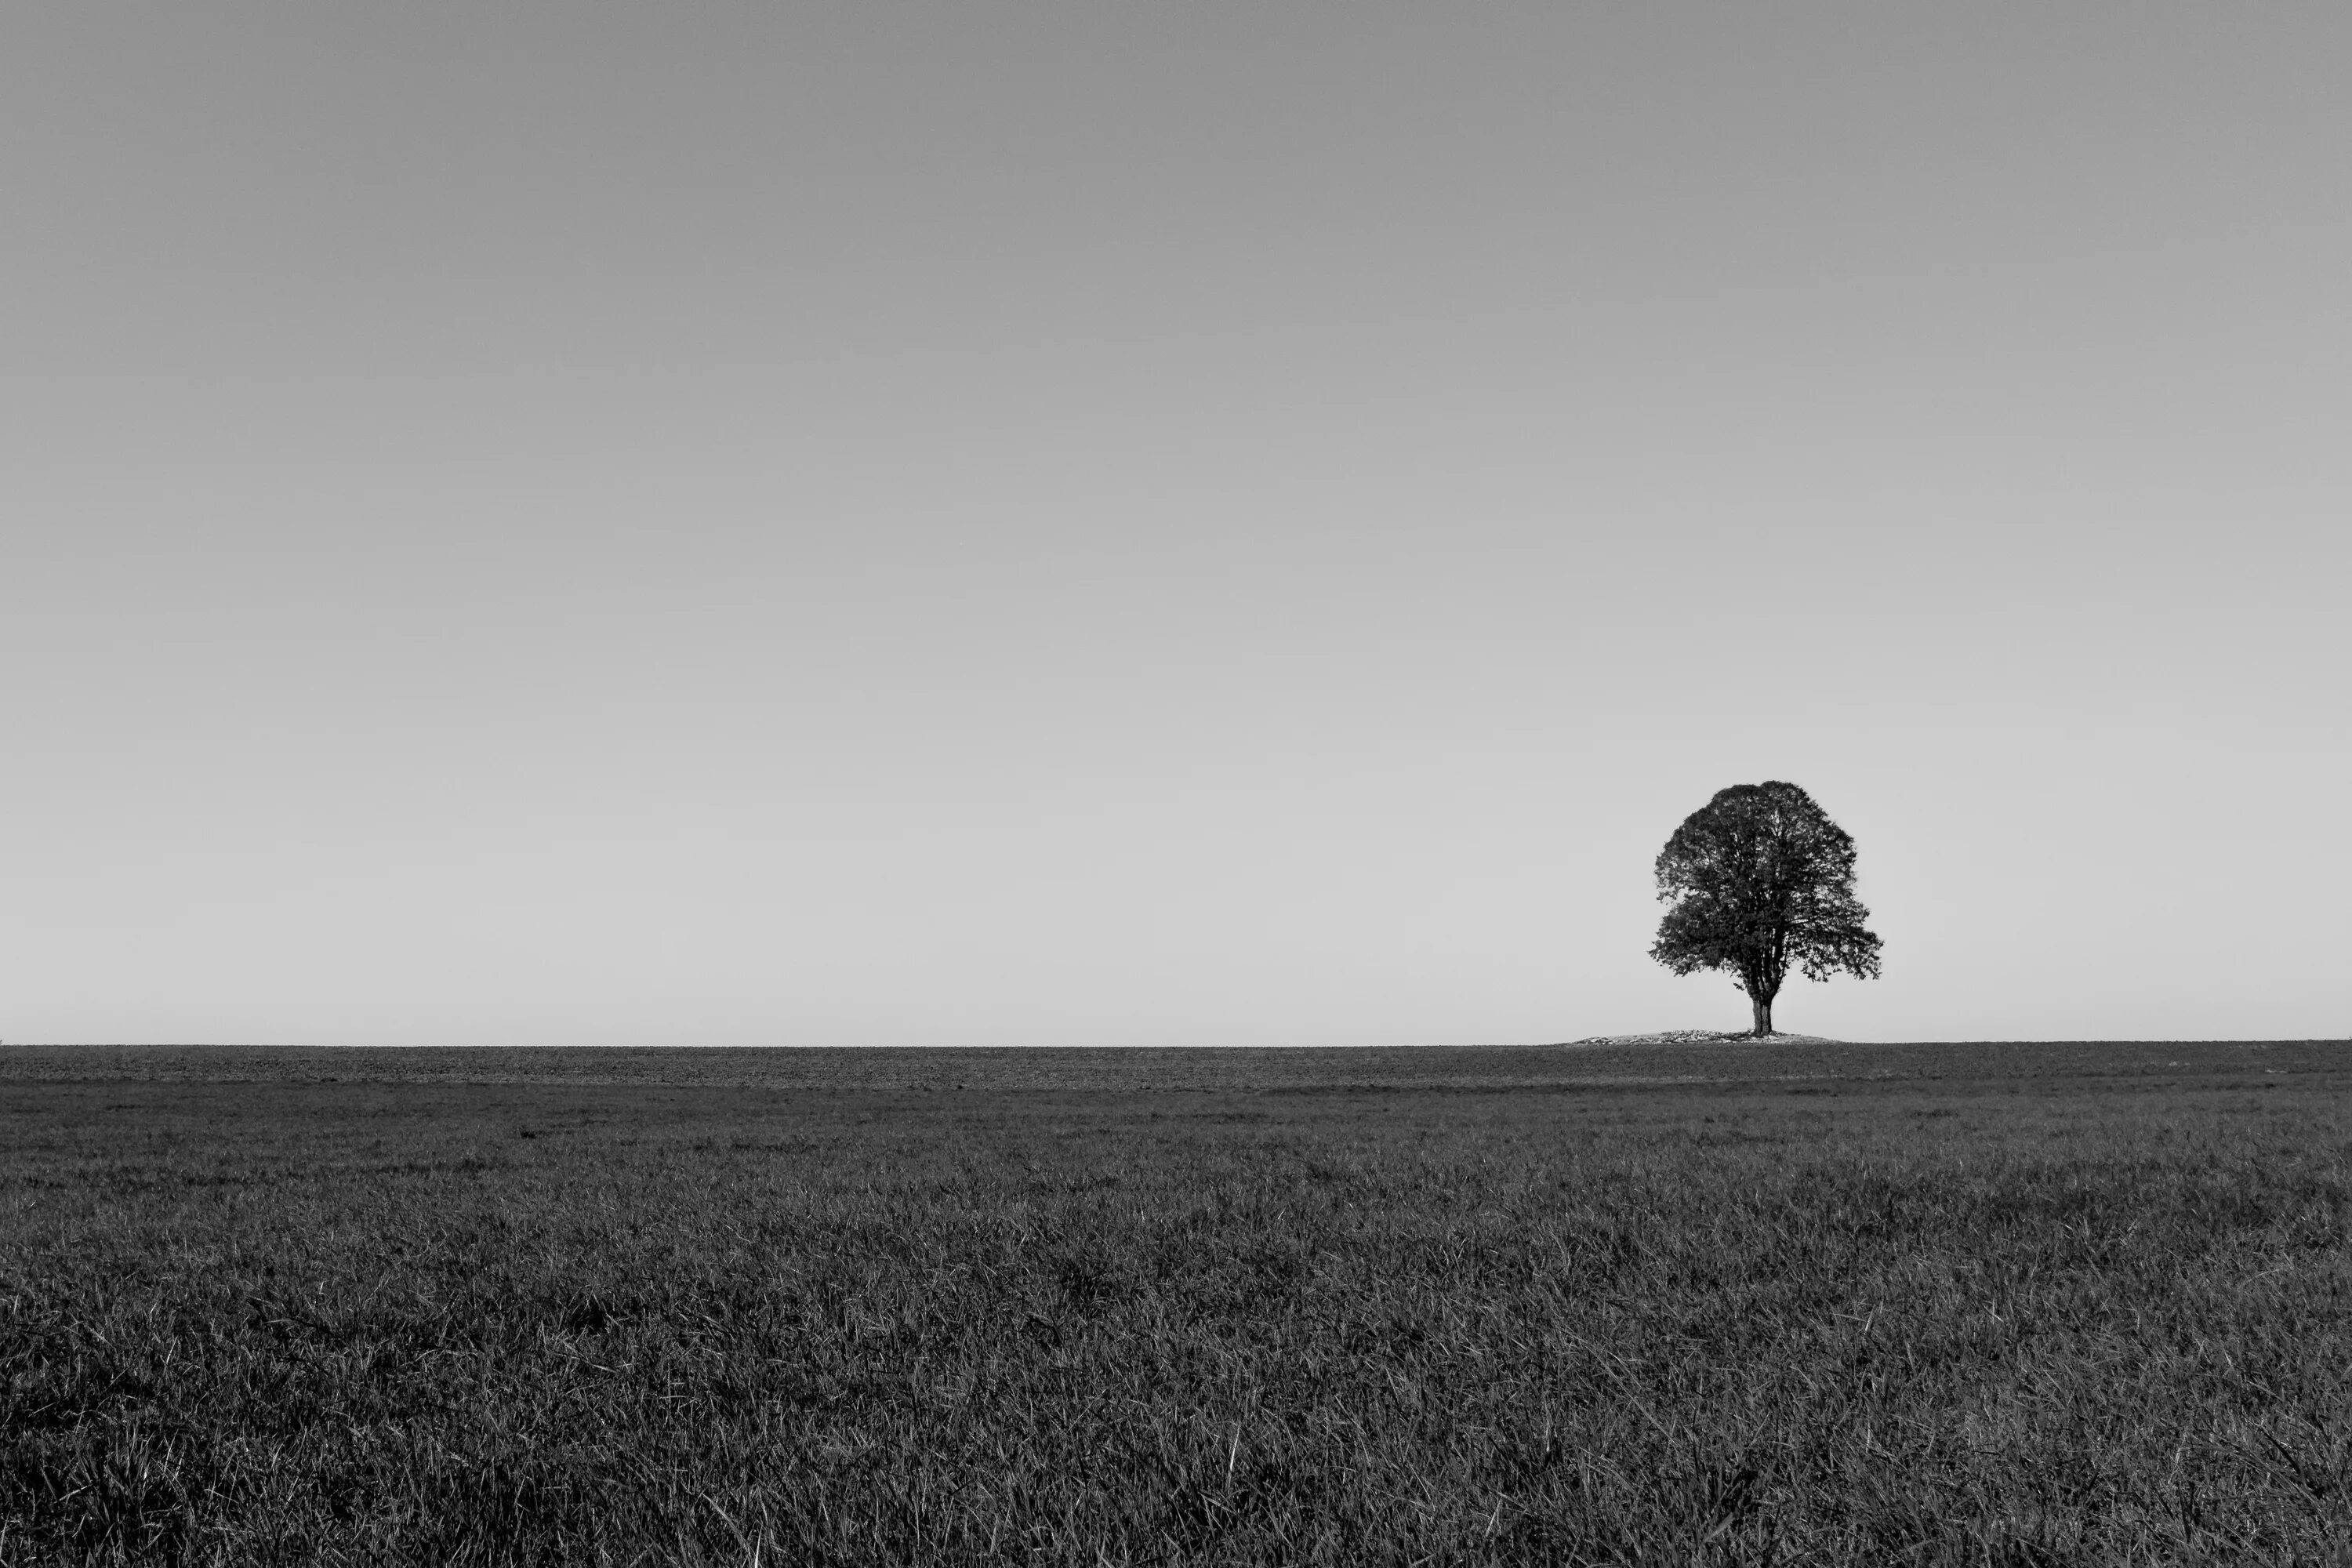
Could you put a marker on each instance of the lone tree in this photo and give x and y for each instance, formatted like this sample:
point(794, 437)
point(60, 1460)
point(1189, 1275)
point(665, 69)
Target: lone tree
point(1761, 880)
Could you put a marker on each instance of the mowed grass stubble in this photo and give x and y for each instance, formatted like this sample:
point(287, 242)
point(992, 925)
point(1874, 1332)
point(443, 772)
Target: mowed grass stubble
point(1839, 1316)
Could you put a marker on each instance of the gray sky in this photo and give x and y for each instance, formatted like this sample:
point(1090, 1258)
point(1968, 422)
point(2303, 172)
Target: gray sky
point(1188, 523)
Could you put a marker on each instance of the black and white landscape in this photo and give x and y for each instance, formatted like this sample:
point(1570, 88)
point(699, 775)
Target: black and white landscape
point(768, 766)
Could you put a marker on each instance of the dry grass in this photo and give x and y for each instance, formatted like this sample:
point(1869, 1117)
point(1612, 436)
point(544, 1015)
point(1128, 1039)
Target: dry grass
point(1675, 1305)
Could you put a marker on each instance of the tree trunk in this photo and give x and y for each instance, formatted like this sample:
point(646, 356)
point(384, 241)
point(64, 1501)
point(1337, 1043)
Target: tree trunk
point(1762, 1005)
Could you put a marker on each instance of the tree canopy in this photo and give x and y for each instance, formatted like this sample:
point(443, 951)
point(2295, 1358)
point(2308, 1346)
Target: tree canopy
point(1760, 882)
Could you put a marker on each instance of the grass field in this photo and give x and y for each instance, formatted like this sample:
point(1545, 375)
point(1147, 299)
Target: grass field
point(1843, 1304)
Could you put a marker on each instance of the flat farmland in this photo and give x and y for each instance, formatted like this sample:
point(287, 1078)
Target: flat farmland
point(1795, 1303)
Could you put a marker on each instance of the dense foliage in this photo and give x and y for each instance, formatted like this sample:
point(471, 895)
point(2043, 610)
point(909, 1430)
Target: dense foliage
point(1761, 884)
point(1840, 1305)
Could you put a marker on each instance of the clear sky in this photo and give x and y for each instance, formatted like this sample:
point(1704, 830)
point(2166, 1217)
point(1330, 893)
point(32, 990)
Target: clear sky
point(1163, 523)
